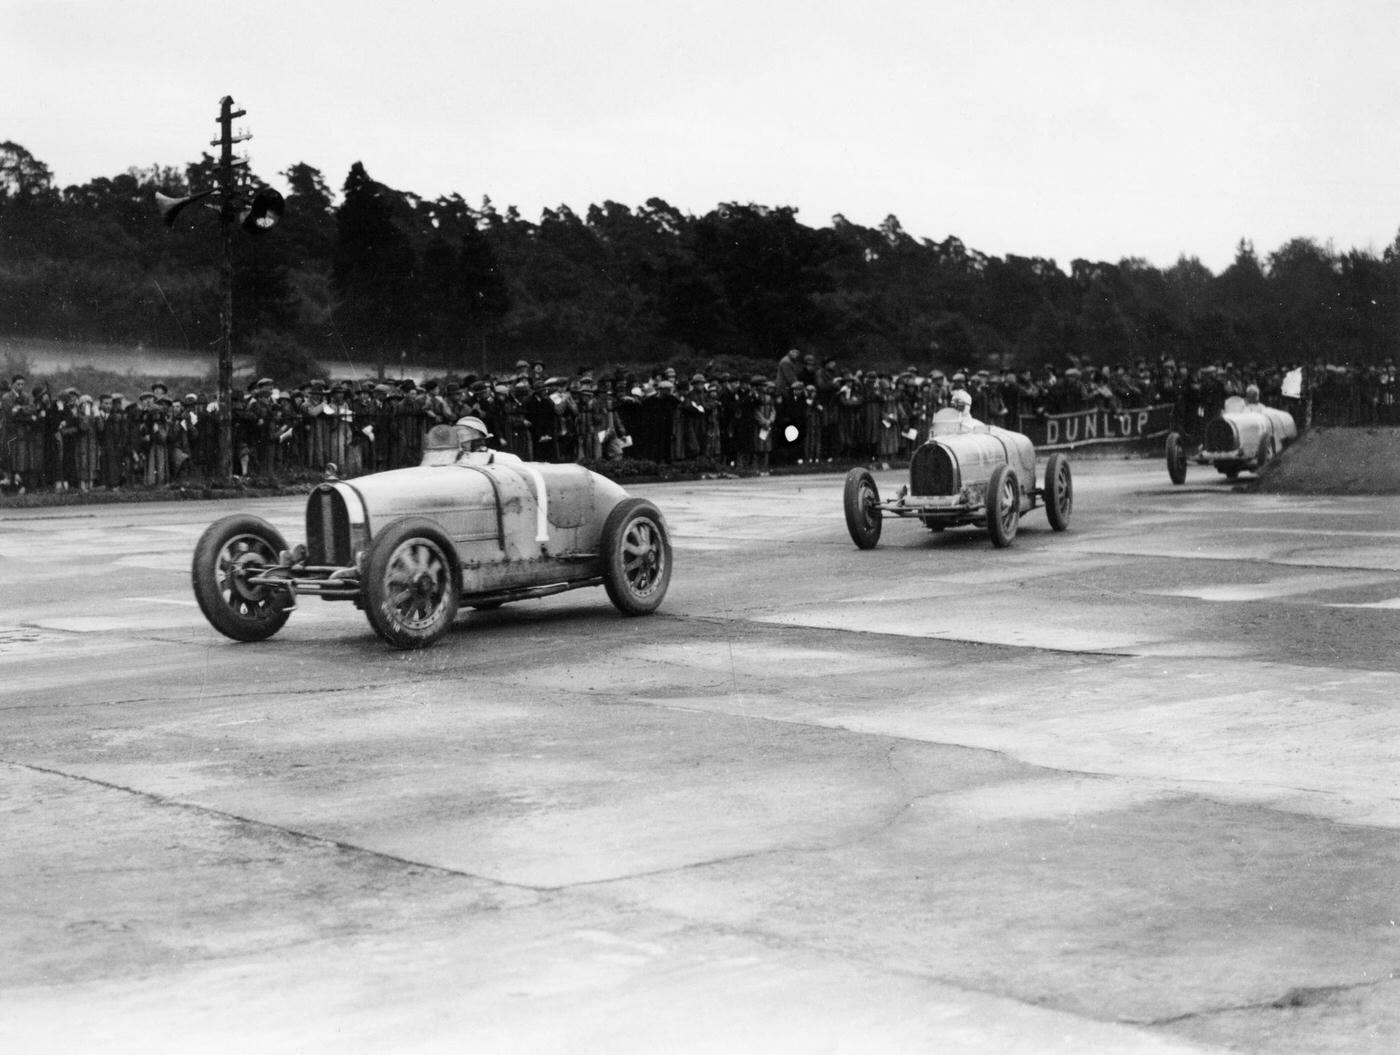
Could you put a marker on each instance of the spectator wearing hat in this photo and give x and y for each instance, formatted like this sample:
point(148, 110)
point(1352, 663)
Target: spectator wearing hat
point(692, 420)
point(588, 418)
point(566, 438)
point(48, 450)
point(65, 424)
point(262, 426)
point(135, 412)
point(284, 427)
point(889, 420)
point(86, 443)
point(790, 424)
point(850, 395)
point(25, 466)
point(544, 427)
point(813, 425)
point(765, 417)
point(8, 400)
point(316, 426)
point(155, 428)
point(112, 441)
point(658, 435)
point(520, 435)
point(340, 432)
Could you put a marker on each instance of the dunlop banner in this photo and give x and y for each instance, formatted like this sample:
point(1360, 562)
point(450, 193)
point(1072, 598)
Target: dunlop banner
point(1097, 426)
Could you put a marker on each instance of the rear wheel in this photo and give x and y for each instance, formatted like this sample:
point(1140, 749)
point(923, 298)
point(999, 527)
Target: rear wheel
point(862, 501)
point(1059, 492)
point(1176, 458)
point(412, 583)
point(1003, 506)
point(227, 554)
point(636, 557)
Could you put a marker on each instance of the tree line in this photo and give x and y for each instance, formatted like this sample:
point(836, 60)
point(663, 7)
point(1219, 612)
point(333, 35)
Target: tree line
point(374, 275)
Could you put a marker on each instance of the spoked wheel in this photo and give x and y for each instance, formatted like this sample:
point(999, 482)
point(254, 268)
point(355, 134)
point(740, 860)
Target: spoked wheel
point(863, 519)
point(636, 557)
point(229, 551)
point(1003, 506)
point(1059, 492)
point(412, 583)
point(1176, 458)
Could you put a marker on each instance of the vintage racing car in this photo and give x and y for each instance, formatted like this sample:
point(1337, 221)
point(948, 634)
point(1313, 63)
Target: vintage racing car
point(983, 476)
point(1243, 436)
point(409, 546)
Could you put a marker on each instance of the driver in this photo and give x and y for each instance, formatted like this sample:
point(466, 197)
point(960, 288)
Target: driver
point(962, 403)
point(472, 435)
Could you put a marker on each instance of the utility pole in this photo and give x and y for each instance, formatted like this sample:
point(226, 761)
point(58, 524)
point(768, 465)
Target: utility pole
point(254, 213)
point(227, 212)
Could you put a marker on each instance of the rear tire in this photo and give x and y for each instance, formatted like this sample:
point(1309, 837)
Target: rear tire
point(226, 554)
point(636, 557)
point(862, 500)
point(1003, 506)
point(1059, 492)
point(1176, 458)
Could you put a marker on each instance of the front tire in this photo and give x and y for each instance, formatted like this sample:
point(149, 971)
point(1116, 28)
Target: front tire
point(1176, 458)
point(230, 550)
point(862, 499)
point(636, 557)
point(412, 583)
point(1003, 506)
point(1059, 492)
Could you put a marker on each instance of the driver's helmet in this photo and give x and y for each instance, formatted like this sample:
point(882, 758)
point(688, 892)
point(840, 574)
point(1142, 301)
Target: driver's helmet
point(961, 399)
point(471, 431)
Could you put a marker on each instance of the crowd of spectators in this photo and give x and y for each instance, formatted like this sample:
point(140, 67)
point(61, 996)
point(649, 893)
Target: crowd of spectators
point(805, 411)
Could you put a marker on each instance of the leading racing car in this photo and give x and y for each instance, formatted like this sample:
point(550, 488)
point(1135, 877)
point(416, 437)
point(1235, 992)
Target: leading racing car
point(1245, 435)
point(410, 546)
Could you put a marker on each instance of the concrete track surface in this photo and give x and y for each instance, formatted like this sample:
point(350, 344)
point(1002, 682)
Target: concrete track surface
point(1131, 788)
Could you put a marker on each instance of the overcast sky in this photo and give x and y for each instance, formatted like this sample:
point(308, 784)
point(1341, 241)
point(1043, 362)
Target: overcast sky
point(1056, 128)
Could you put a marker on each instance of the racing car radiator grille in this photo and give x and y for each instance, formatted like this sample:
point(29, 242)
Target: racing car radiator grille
point(1220, 436)
point(933, 471)
point(327, 528)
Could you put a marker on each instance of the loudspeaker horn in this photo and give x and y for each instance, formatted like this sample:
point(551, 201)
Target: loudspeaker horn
point(170, 207)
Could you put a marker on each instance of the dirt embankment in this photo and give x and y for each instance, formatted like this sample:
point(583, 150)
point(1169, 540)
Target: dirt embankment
point(1334, 461)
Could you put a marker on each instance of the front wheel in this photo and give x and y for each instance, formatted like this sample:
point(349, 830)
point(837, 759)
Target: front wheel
point(227, 554)
point(862, 498)
point(1176, 458)
point(1059, 492)
point(636, 557)
point(412, 583)
point(1003, 506)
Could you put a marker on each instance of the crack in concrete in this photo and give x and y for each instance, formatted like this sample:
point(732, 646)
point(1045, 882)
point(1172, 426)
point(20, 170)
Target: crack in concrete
point(294, 833)
point(1300, 996)
point(314, 691)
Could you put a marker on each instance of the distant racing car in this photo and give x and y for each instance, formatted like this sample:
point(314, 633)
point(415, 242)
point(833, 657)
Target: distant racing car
point(1243, 436)
point(410, 546)
point(984, 476)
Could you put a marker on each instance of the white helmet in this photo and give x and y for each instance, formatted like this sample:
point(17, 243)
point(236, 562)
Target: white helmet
point(961, 399)
point(477, 425)
point(470, 431)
